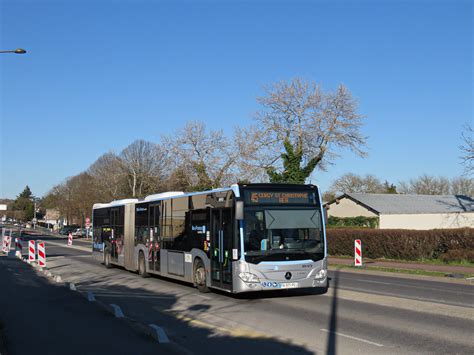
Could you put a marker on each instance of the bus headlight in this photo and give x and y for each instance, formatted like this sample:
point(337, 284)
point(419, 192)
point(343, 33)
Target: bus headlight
point(248, 277)
point(321, 274)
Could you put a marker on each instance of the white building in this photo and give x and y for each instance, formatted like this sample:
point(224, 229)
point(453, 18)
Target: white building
point(406, 211)
point(3, 216)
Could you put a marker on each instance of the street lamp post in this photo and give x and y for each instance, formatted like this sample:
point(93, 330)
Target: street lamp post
point(16, 51)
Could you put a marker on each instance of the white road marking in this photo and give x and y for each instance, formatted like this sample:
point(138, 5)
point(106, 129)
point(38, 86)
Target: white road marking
point(352, 337)
point(161, 336)
point(204, 297)
point(117, 311)
point(413, 286)
point(90, 296)
point(372, 292)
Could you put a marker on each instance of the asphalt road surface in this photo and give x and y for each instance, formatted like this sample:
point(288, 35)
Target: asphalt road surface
point(370, 314)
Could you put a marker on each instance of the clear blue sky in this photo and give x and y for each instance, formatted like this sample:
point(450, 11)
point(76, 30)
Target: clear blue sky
point(100, 74)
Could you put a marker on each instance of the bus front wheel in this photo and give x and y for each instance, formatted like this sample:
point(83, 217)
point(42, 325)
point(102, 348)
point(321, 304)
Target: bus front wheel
point(200, 276)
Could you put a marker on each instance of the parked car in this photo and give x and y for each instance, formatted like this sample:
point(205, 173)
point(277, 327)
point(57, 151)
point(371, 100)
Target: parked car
point(79, 233)
point(66, 229)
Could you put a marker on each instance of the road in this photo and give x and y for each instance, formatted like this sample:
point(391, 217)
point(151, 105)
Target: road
point(370, 314)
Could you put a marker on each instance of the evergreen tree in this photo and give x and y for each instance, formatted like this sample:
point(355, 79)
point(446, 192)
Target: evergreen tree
point(292, 172)
point(390, 188)
point(25, 202)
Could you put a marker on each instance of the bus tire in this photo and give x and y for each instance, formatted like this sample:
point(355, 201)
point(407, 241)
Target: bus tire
point(107, 256)
point(142, 265)
point(199, 276)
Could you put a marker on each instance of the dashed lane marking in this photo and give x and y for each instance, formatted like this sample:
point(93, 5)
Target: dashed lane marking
point(117, 311)
point(160, 334)
point(90, 296)
point(352, 337)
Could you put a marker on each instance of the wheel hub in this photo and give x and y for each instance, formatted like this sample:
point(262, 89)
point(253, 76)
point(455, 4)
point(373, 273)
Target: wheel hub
point(200, 276)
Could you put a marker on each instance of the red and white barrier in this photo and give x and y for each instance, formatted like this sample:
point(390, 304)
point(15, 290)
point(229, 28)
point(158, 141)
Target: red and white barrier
point(357, 252)
point(69, 239)
point(31, 251)
point(41, 254)
point(19, 247)
point(6, 242)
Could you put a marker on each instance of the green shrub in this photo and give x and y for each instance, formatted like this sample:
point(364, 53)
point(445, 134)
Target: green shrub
point(400, 243)
point(359, 221)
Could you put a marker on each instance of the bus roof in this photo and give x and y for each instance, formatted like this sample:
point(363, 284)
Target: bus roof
point(170, 194)
point(115, 203)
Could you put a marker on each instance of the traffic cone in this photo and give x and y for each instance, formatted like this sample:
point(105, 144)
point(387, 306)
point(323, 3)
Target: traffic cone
point(69, 239)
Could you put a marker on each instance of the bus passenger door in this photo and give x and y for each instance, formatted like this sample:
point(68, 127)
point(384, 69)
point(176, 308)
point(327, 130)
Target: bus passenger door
point(221, 248)
point(115, 234)
point(154, 239)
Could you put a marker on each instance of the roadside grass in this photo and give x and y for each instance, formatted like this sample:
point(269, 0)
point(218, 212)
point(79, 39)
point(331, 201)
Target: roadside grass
point(401, 271)
point(466, 263)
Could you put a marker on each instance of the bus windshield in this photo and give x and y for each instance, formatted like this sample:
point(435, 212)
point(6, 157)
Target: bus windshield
point(283, 234)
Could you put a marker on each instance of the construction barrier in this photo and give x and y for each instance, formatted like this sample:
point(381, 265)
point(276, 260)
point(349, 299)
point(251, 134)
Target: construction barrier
point(69, 239)
point(6, 241)
point(41, 254)
point(357, 252)
point(19, 247)
point(31, 251)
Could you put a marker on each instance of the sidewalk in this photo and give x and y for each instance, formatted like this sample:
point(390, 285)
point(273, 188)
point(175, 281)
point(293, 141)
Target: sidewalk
point(448, 269)
point(43, 318)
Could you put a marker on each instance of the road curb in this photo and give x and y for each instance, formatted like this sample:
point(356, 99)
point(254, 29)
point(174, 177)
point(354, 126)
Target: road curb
point(139, 328)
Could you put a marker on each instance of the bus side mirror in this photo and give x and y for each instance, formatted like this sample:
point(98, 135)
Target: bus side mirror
point(239, 210)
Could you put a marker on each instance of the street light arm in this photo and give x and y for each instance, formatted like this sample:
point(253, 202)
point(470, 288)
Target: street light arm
point(16, 51)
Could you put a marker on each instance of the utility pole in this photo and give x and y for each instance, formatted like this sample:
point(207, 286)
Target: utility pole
point(34, 217)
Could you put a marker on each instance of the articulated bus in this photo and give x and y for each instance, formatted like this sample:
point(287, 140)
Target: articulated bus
point(248, 237)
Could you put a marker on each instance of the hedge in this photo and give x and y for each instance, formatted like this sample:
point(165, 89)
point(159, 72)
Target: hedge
point(360, 221)
point(445, 244)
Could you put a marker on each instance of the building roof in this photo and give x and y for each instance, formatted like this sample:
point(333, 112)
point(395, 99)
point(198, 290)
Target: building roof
point(412, 204)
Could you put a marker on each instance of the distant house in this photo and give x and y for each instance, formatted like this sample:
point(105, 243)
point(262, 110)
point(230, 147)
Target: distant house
point(52, 217)
point(406, 211)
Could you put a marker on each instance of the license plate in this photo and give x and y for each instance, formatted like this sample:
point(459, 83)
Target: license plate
point(289, 285)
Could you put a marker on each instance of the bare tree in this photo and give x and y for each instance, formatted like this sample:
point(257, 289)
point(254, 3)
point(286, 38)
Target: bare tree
point(467, 149)
point(206, 159)
point(83, 195)
point(426, 185)
point(462, 186)
point(301, 127)
point(60, 197)
point(354, 183)
point(144, 165)
point(108, 173)
point(73, 198)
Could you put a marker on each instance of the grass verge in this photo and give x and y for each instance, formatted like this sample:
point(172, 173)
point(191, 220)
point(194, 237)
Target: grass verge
point(401, 271)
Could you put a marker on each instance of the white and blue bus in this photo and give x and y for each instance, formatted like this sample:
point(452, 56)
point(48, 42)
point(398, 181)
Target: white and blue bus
point(248, 237)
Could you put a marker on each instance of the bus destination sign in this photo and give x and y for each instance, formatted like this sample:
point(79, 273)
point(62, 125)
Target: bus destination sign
point(280, 197)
